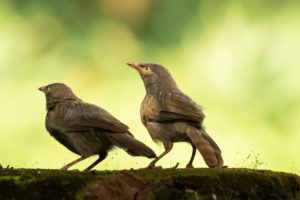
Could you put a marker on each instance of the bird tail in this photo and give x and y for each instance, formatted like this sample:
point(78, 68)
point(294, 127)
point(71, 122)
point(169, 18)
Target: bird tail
point(131, 145)
point(209, 150)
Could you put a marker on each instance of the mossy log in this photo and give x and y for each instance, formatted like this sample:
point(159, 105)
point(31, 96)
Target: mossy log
point(145, 184)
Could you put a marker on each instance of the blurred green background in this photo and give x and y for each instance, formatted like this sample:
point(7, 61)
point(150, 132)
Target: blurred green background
point(238, 59)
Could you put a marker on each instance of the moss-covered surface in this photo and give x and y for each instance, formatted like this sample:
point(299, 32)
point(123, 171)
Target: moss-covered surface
point(148, 184)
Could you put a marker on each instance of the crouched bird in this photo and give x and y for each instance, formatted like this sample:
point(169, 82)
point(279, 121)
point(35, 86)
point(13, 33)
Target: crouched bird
point(86, 129)
point(171, 116)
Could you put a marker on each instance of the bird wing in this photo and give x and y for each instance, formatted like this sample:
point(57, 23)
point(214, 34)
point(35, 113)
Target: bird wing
point(83, 115)
point(179, 107)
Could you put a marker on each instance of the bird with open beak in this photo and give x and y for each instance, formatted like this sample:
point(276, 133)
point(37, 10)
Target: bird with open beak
point(171, 116)
point(86, 129)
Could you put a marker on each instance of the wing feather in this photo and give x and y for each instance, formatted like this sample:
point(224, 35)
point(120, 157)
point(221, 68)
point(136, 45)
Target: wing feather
point(82, 116)
point(180, 107)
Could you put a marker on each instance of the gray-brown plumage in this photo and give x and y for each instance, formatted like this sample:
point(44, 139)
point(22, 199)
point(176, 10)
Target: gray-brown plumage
point(86, 129)
point(171, 116)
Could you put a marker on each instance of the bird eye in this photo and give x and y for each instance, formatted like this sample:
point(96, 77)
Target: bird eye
point(47, 89)
point(146, 68)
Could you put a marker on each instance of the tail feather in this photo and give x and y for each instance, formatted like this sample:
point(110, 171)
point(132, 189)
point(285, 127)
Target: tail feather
point(209, 150)
point(131, 145)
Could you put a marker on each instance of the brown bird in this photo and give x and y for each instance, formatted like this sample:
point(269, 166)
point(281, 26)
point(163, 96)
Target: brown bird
point(171, 116)
point(86, 129)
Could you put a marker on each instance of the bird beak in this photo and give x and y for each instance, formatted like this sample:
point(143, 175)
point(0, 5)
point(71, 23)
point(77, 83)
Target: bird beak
point(43, 89)
point(134, 65)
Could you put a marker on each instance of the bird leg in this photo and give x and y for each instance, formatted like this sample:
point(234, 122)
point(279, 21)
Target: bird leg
point(102, 156)
point(67, 166)
point(168, 147)
point(175, 167)
point(190, 164)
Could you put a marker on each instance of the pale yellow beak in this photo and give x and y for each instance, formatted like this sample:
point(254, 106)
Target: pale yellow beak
point(43, 89)
point(134, 65)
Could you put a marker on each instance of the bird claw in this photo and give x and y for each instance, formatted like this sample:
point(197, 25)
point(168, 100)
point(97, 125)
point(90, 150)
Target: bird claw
point(64, 169)
point(190, 166)
point(153, 167)
point(175, 167)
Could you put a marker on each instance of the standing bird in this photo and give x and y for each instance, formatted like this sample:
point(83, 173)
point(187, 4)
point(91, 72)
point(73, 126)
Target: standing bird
point(86, 129)
point(171, 116)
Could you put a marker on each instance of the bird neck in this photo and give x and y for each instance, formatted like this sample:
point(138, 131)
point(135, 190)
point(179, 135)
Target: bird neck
point(52, 102)
point(150, 88)
point(164, 84)
point(156, 89)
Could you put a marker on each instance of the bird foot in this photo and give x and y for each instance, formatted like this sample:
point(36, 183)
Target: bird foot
point(175, 167)
point(189, 166)
point(65, 168)
point(153, 167)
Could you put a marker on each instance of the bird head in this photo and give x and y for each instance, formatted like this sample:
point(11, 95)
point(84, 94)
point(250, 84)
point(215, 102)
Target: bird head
point(57, 92)
point(154, 76)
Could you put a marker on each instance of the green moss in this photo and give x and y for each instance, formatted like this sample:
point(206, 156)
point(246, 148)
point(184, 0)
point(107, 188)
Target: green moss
point(164, 184)
point(38, 184)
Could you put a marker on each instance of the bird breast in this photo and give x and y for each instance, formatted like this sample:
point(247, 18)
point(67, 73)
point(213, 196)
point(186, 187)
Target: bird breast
point(148, 109)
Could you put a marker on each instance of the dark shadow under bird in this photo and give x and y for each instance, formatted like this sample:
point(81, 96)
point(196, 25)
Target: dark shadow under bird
point(86, 129)
point(171, 116)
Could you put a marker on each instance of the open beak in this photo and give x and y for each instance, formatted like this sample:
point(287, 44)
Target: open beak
point(134, 65)
point(43, 89)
